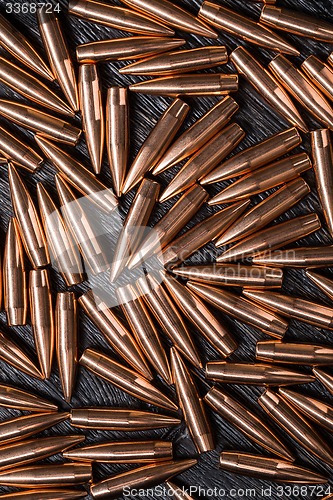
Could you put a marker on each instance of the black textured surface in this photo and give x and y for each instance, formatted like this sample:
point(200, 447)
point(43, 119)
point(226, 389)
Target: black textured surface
point(259, 121)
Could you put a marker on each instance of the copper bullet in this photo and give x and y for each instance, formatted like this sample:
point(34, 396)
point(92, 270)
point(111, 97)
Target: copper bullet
point(191, 404)
point(180, 61)
point(254, 374)
point(18, 46)
point(325, 284)
point(118, 18)
point(264, 212)
point(15, 429)
point(31, 87)
point(114, 332)
point(124, 378)
point(14, 277)
point(62, 247)
point(136, 452)
point(256, 156)
point(172, 15)
point(144, 330)
point(134, 226)
point(78, 176)
point(330, 59)
point(157, 143)
point(325, 378)
point(241, 309)
point(113, 419)
point(233, 275)
point(42, 318)
point(11, 397)
point(117, 135)
point(293, 353)
point(144, 477)
point(28, 222)
point(273, 237)
point(66, 340)
point(170, 224)
point(44, 124)
point(90, 102)
point(176, 492)
point(202, 233)
point(202, 162)
point(45, 494)
point(296, 257)
point(300, 87)
point(189, 85)
point(267, 86)
point(168, 317)
point(58, 54)
point(51, 475)
point(320, 74)
point(287, 417)
point(203, 319)
point(14, 356)
point(237, 25)
point(120, 49)
point(246, 422)
point(18, 152)
point(296, 22)
point(34, 450)
point(294, 307)
point(271, 469)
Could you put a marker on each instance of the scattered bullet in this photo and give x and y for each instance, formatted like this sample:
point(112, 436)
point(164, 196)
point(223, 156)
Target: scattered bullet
point(51, 475)
point(11, 397)
point(325, 284)
point(18, 152)
point(45, 494)
point(293, 353)
point(297, 257)
point(15, 429)
point(320, 74)
point(176, 492)
point(325, 378)
point(14, 356)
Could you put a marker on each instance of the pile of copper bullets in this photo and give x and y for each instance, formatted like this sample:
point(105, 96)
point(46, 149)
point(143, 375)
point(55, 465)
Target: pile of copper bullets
point(158, 320)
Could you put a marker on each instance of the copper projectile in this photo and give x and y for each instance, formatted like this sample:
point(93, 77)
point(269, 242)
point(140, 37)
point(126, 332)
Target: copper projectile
point(287, 417)
point(297, 257)
point(112, 419)
point(325, 378)
point(58, 54)
point(118, 18)
point(66, 340)
point(15, 429)
point(241, 309)
point(254, 374)
point(294, 307)
point(144, 330)
point(172, 15)
point(168, 317)
point(176, 492)
point(246, 422)
point(267, 86)
point(31, 87)
point(203, 319)
point(271, 469)
point(263, 179)
point(295, 354)
point(117, 135)
point(266, 211)
point(325, 284)
point(157, 143)
point(205, 84)
point(240, 26)
point(78, 176)
point(300, 87)
point(90, 101)
point(256, 156)
point(18, 46)
point(14, 356)
point(133, 452)
point(18, 152)
point(51, 475)
point(124, 378)
point(142, 477)
point(296, 22)
point(114, 332)
point(170, 224)
point(29, 225)
point(202, 233)
point(320, 74)
point(45, 494)
point(11, 397)
point(207, 158)
point(272, 237)
point(180, 61)
point(119, 49)
point(191, 404)
point(14, 277)
point(198, 134)
point(134, 226)
point(62, 247)
point(330, 59)
point(233, 275)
